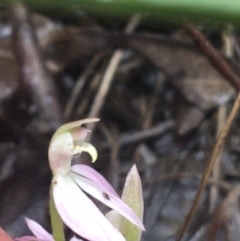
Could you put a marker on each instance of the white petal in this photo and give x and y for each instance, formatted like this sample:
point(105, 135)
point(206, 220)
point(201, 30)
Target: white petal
point(90, 173)
point(107, 198)
point(38, 230)
point(80, 214)
point(114, 218)
point(60, 153)
point(75, 239)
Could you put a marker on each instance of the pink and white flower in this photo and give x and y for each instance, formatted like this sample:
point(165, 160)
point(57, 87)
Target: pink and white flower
point(40, 233)
point(70, 183)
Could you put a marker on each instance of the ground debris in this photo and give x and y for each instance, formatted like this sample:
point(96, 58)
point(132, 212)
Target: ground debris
point(158, 112)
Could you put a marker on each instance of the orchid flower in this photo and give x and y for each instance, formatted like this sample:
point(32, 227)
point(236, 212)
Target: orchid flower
point(70, 183)
point(40, 233)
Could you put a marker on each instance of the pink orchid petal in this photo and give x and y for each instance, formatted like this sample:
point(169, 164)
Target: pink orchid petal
point(79, 133)
point(80, 214)
point(94, 176)
point(107, 198)
point(28, 238)
point(38, 230)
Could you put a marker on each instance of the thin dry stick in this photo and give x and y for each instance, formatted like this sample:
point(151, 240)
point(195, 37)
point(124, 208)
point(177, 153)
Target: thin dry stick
point(79, 85)
point(228, 41)
point(170, 176)
point(222, 111)
point(148, 114)
point(93, 86)
point(108, 76)
point(209, 167)
point(225, 212)
point(112, 138)
point(35, 81)
point(213, 56)
point(151, 107)
point(131, 137)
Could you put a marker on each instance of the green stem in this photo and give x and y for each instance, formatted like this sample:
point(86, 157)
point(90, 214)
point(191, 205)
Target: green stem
point(56, 221)
point(170, 11)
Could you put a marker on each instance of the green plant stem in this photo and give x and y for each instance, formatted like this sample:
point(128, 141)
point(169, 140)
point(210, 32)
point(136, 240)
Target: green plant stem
point(169, 11)
point(56, 221)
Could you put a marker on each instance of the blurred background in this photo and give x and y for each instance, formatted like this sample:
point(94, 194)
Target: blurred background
point(161, 105)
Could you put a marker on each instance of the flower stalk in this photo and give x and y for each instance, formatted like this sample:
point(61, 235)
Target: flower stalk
point(56, 221)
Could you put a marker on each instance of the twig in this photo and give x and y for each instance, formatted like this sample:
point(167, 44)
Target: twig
point(228, 41)
point(34, 78)
point(112, 138)
point(108, 76)
point(209, 167)
point(222, 112)
point(171, 176)
point(217, 167)
point(79, 85)
point(151, 107)
point(148, 114)
point(131, 137)
point(225, 212)
point(92, 88)
point(213, 56)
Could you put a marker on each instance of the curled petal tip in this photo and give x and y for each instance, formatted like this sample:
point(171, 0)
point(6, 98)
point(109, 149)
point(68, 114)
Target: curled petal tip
point(90, 149)
point(72, 125)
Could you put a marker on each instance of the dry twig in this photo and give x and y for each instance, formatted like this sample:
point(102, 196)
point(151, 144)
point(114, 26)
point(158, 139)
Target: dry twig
point(222, 111)
point(79, 85)
point(112, 138)
point(108, 76)
point(177, 176)
point(226, 218)
point(132, 137)
point(213, 56)
point(90, 91)
point(35, 80)
point(222, 66)
point(209, 167)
